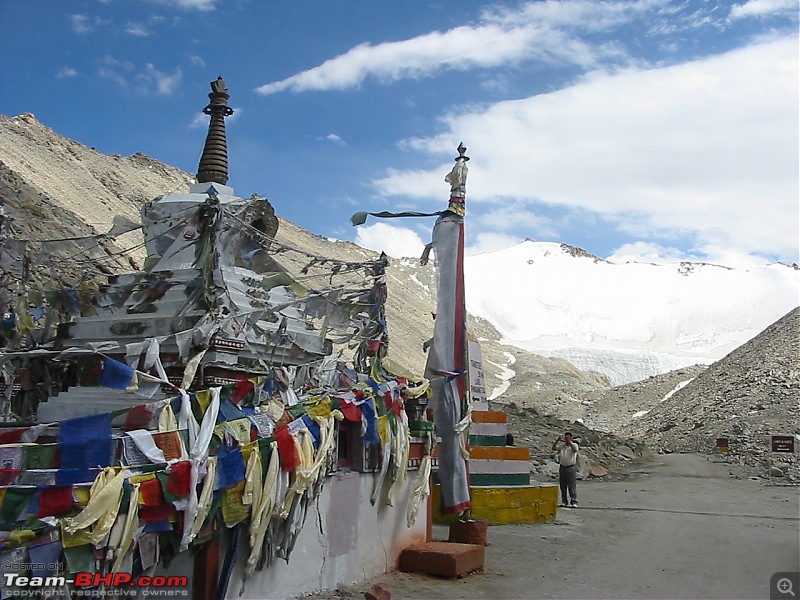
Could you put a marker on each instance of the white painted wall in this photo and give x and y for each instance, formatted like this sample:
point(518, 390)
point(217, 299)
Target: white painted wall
point(345, 540)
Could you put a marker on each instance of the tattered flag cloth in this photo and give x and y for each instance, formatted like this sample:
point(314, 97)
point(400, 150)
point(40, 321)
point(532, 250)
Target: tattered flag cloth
point(116, 375)
point(85, 442)
point(360, 218)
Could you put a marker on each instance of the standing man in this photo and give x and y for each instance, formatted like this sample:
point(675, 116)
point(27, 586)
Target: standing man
point(568, 469)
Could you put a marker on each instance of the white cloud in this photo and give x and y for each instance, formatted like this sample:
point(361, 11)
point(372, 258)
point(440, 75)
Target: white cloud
point(81, 24)
point(514, 216)
point(197, 61)
point(148, 79)
point(648, 252)
point(708, 148)
point(763, 8)
point(543, 31)
point(137, 29)
point(66, 72)
point(115, 70)
point(332, 137)
point(201, 5)
point(489, 242)
point(397, 242)
point(165, 84)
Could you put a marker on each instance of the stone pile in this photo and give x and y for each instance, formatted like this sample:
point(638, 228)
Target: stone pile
point(748, 395)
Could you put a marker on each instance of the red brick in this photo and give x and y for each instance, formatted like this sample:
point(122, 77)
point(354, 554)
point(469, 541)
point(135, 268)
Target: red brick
point(379, 591)
point(442, 558)
point(469, 532)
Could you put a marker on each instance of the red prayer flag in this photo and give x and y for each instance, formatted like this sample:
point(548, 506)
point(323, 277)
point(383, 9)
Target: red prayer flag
point(241, 390)
point(179, 478)
point(7, 476)
point(138, 417)
point(350, 411)
point(13, 436)
point(160, 512)
point(150, 492)
point(287, 450)
point(54, 501)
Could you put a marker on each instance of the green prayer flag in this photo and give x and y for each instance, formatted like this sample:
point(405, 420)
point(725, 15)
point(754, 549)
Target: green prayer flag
point(15, 502)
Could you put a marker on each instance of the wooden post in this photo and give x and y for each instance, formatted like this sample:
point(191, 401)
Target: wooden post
point(205, 571)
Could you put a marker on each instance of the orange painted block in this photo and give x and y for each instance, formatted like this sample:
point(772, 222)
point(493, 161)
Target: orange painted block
point(489, 416)
point(444, 559)
point(500, 452)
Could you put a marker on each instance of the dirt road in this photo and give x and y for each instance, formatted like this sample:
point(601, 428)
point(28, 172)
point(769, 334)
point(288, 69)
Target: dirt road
point(684, 528)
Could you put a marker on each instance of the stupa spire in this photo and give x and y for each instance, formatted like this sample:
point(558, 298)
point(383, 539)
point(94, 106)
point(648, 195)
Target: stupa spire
point(214, 162)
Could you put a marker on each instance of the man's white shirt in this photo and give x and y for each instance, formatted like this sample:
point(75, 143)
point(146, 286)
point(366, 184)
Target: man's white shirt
point(567, 456)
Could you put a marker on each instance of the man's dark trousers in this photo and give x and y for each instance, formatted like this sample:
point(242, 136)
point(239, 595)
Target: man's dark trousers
point(568, 479)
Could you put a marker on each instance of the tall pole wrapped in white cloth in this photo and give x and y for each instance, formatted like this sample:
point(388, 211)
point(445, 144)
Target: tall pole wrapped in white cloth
point(447, 358)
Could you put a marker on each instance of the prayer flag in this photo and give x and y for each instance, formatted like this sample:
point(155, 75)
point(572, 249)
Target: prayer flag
point(55, 501)
point(138, 417)
point(116, 375)
point(85, 442)
point(287, 450)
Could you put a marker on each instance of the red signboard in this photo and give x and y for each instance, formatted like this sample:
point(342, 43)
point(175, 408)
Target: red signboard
point(722, 444)
point(782, 443)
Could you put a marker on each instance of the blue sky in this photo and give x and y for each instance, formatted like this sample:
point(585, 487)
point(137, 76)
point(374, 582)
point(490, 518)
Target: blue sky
point(644, 129)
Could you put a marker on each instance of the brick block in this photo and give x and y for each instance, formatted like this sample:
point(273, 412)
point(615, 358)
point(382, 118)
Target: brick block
point(469, 532)
point(444, 559)
point(379, 591)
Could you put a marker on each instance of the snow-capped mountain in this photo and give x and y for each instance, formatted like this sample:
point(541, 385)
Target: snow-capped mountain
point(627, 321)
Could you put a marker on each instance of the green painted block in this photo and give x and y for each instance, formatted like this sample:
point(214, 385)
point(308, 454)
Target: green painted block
point(500, 479)
point(487, 440)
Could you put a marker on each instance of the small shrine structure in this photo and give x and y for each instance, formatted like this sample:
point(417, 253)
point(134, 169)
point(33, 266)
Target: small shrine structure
point(201, 419)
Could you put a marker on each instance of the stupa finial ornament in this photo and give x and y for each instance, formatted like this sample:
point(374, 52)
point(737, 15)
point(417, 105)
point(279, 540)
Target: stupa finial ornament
point(457, 178)
point(214, 162)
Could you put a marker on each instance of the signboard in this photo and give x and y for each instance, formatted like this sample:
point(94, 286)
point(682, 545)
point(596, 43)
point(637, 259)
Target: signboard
point(477, 384)
point(782, 443)
point(722, 445)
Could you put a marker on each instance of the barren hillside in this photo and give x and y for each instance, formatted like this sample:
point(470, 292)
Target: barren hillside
point(750, 394)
